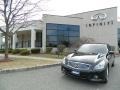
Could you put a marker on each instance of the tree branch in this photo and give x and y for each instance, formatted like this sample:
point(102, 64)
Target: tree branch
point(2, 30)
point(17, 10)
point(11, 2)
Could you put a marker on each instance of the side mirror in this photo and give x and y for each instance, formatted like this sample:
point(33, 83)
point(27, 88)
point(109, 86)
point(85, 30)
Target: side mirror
point(111, 52)
point(75, 51)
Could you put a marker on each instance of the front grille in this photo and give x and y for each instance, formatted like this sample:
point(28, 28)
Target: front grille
point(79, 65)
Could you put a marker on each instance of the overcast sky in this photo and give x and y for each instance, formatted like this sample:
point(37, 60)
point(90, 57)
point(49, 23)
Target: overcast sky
point(65, 7)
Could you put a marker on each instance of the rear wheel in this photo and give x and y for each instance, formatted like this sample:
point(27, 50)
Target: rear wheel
point(106, 75)
point(113, 64)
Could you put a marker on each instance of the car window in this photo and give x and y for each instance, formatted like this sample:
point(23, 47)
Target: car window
point(93, 48)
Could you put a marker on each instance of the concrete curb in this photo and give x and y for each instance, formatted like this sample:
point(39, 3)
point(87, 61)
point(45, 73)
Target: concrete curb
point(9, 70)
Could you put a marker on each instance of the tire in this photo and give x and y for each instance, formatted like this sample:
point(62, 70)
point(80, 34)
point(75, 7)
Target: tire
point(106, 75)
point(64, 72)
point(113, 64)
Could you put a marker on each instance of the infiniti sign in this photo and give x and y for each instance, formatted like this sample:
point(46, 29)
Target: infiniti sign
point(99, 16)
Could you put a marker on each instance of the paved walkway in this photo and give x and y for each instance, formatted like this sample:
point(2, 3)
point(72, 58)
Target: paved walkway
point(31, 57)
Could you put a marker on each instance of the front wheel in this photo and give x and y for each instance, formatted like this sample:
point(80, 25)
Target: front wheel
point(106, 75)
point(113, 64)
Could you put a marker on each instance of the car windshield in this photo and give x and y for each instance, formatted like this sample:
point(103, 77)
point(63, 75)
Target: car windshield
point(93, 48)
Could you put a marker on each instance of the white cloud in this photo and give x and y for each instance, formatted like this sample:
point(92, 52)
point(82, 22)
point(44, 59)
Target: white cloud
point(65, 7)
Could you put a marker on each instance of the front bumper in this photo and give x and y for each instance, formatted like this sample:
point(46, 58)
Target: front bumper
point(84, 74)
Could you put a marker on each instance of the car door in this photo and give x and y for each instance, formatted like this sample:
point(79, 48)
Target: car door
point(109, 55)
point(110, 58)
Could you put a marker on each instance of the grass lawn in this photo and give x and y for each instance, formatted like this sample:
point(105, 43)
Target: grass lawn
point(19, 62)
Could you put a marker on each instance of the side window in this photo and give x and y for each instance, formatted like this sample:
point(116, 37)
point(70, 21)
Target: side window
point(109, 47)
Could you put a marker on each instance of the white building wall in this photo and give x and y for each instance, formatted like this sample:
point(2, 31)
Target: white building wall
point(14, 41)
point(35, 24)
point(104, 33)
point(33, 38)
point(101, 34)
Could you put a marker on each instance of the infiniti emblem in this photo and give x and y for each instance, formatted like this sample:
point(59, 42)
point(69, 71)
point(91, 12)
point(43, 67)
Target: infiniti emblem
point(99, 16)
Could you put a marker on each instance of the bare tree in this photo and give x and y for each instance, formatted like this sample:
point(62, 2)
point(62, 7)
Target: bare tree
point(14, 14)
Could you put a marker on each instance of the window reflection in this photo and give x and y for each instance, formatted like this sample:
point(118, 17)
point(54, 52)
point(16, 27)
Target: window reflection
point(61, 34)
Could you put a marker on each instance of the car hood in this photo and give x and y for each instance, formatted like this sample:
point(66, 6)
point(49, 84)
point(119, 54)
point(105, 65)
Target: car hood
point(91, 59)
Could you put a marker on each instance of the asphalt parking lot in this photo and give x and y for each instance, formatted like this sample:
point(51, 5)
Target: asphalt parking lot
point(52, 79)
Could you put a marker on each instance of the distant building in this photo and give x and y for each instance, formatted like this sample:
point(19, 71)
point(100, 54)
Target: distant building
point(101, 25)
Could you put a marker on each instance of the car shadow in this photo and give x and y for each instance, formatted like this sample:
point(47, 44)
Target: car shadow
point(83, 82)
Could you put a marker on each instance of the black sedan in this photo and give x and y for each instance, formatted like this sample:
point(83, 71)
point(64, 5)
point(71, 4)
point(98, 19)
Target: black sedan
point(90, 61)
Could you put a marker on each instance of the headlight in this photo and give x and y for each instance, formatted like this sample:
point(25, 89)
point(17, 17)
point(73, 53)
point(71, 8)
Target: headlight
point(100, 65)
point(64, 60)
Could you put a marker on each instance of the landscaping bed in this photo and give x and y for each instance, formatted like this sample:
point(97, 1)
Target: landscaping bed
point(21, 62)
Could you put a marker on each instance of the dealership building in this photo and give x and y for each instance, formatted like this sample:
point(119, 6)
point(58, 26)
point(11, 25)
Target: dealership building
point(100, 25)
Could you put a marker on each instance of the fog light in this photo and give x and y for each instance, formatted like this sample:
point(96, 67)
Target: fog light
point(95, 76)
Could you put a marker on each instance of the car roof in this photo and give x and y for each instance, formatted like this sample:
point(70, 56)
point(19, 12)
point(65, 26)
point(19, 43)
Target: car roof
point(107, 45)
point(96, 44)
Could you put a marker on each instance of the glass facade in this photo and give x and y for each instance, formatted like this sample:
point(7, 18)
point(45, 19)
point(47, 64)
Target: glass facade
point(61, 34)
point(38, 41)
